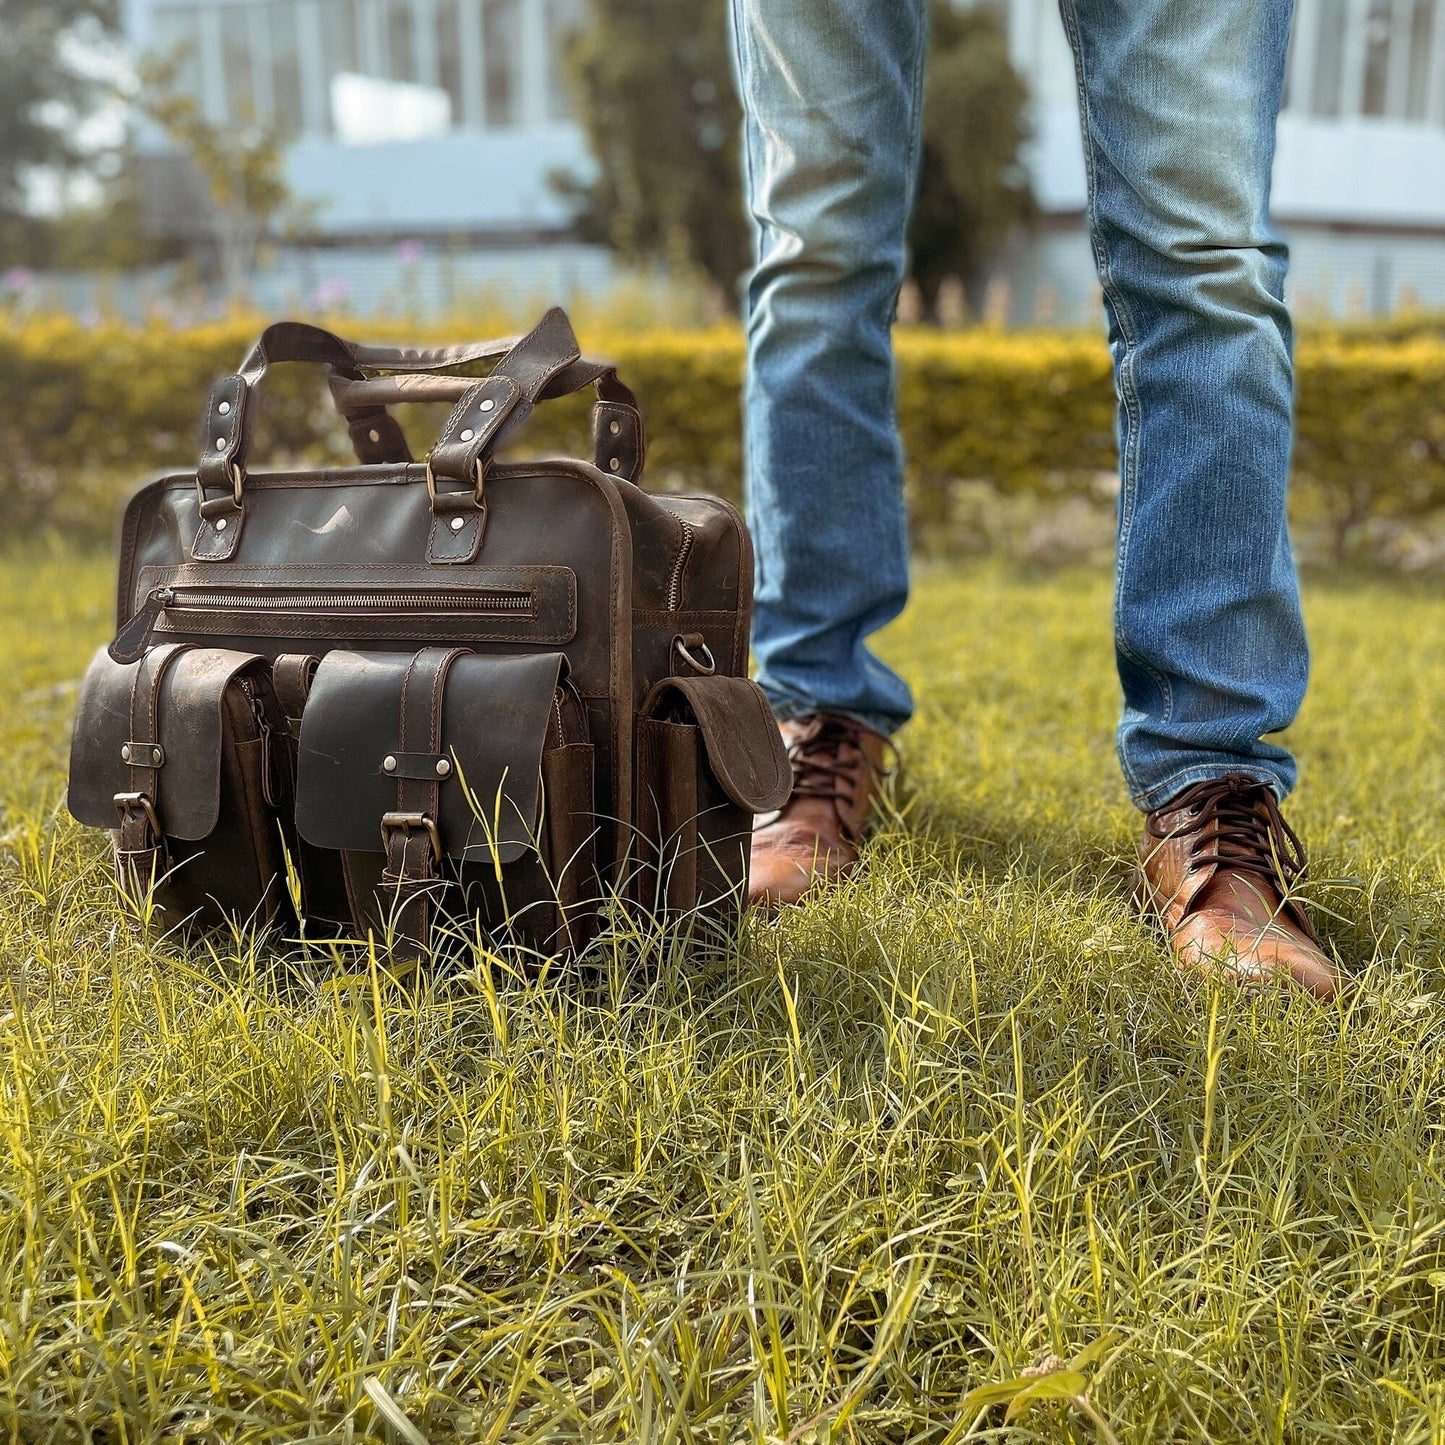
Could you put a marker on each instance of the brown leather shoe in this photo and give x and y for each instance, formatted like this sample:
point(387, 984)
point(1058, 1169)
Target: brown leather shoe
point(1217, 866)
point(839, 767)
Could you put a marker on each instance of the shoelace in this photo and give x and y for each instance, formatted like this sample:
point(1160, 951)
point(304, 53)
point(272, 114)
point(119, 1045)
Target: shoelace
point(1240, 827)
point(819, 769)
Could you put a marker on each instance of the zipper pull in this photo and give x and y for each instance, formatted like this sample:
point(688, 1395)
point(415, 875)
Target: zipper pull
point(129, 643)
point(269, 780)
point(269, 789)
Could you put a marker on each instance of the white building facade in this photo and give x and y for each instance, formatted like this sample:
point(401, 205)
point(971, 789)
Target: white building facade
point(477, 164)
point(420, 120)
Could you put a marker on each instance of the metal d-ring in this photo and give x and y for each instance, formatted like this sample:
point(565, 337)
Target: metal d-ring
point(238, 488)
point(702, 668)
point(479, 489)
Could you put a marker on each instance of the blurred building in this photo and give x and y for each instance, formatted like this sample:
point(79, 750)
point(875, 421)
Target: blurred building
point(425, 132)
point(435, 124)
point(410, 116)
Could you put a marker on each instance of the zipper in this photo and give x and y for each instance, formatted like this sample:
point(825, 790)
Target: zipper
point(269, 791)
point(674, 583)
point(381, 603)
point(134, 635)
point(566, 700)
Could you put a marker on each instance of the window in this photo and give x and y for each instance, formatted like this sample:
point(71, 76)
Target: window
point(371, 43)
point(338, 37)
point(563, 17)
point(236, 61)
point(1375, 96)
point(1329, 63)
point(285, 69)
point(501, 45)
point(178, 38)
point(400, 40)
point(449, 56)
point(1423, 39)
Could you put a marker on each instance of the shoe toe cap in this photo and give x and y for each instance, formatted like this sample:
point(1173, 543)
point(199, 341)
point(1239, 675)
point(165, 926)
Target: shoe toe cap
point(1214, 942)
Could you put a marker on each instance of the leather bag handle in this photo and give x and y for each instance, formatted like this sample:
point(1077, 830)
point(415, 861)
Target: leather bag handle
point(547, 355)
point(619, 440)
point(618, 436)
point(230, 419)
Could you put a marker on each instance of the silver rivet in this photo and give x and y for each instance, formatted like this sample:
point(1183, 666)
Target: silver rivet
point(374, 434)
point(443, 767)
point(220, 444)
point(614, 464)
point(156, 755)
point(458, 523)
point(388, 763)
point(488, 404)
point(224, 408)
point(615, 428)
point(220, 524)
point(468, 434)
point(125, 753)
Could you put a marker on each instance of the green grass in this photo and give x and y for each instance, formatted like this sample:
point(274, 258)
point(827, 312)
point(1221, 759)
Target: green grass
point(909, 1141)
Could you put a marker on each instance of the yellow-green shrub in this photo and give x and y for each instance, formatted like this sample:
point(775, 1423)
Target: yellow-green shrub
point(1370, 433)
point(83, 406)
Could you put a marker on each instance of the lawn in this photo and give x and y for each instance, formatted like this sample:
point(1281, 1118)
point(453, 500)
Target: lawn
point(910, 1141)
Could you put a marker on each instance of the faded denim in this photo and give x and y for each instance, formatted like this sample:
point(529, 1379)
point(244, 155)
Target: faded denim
point(1178, 100)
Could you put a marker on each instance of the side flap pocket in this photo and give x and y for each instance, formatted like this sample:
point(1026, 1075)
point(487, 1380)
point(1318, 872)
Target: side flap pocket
point(495, 713)
point(102, 729)
point(744, 747)
point(178, 759)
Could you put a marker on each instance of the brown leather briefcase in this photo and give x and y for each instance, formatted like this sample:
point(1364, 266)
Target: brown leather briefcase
point(417, 699)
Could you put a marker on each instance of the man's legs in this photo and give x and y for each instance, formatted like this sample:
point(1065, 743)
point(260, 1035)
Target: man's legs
point(1179, 100)
point(832, 96)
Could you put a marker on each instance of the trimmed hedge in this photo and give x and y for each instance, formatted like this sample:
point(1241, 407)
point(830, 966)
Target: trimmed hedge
point(85, 412)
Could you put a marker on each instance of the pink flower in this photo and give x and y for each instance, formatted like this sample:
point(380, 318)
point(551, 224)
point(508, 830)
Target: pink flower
point(331, 293)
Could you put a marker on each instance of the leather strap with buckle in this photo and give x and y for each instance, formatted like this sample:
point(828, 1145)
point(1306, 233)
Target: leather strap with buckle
point(414, 878)
point(141, 856)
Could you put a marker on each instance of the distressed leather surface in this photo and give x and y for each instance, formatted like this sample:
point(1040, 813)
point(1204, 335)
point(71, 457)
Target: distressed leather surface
point(374, 523)
point(494, 719)
point(744, 748)
point(186, 788)
point(642, 568)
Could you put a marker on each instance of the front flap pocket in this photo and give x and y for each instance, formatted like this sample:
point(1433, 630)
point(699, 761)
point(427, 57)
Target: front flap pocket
point(744, 747)
point(480, 770)
point(163, 738)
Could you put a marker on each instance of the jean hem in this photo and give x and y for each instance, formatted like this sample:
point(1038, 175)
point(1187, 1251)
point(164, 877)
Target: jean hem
point(1160, 795)
point(874, 722)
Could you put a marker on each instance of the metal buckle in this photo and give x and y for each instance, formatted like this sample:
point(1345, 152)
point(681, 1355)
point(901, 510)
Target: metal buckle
point(411, 823)
point(128, 803)
point(478, 489)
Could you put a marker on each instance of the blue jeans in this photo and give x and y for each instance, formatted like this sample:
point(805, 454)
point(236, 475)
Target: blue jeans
point(1178, 100)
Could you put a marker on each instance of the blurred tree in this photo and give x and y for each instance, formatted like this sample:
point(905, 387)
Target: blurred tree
point(242, 168)
point(44, 96)
point(972, 188)
point(654, 91)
